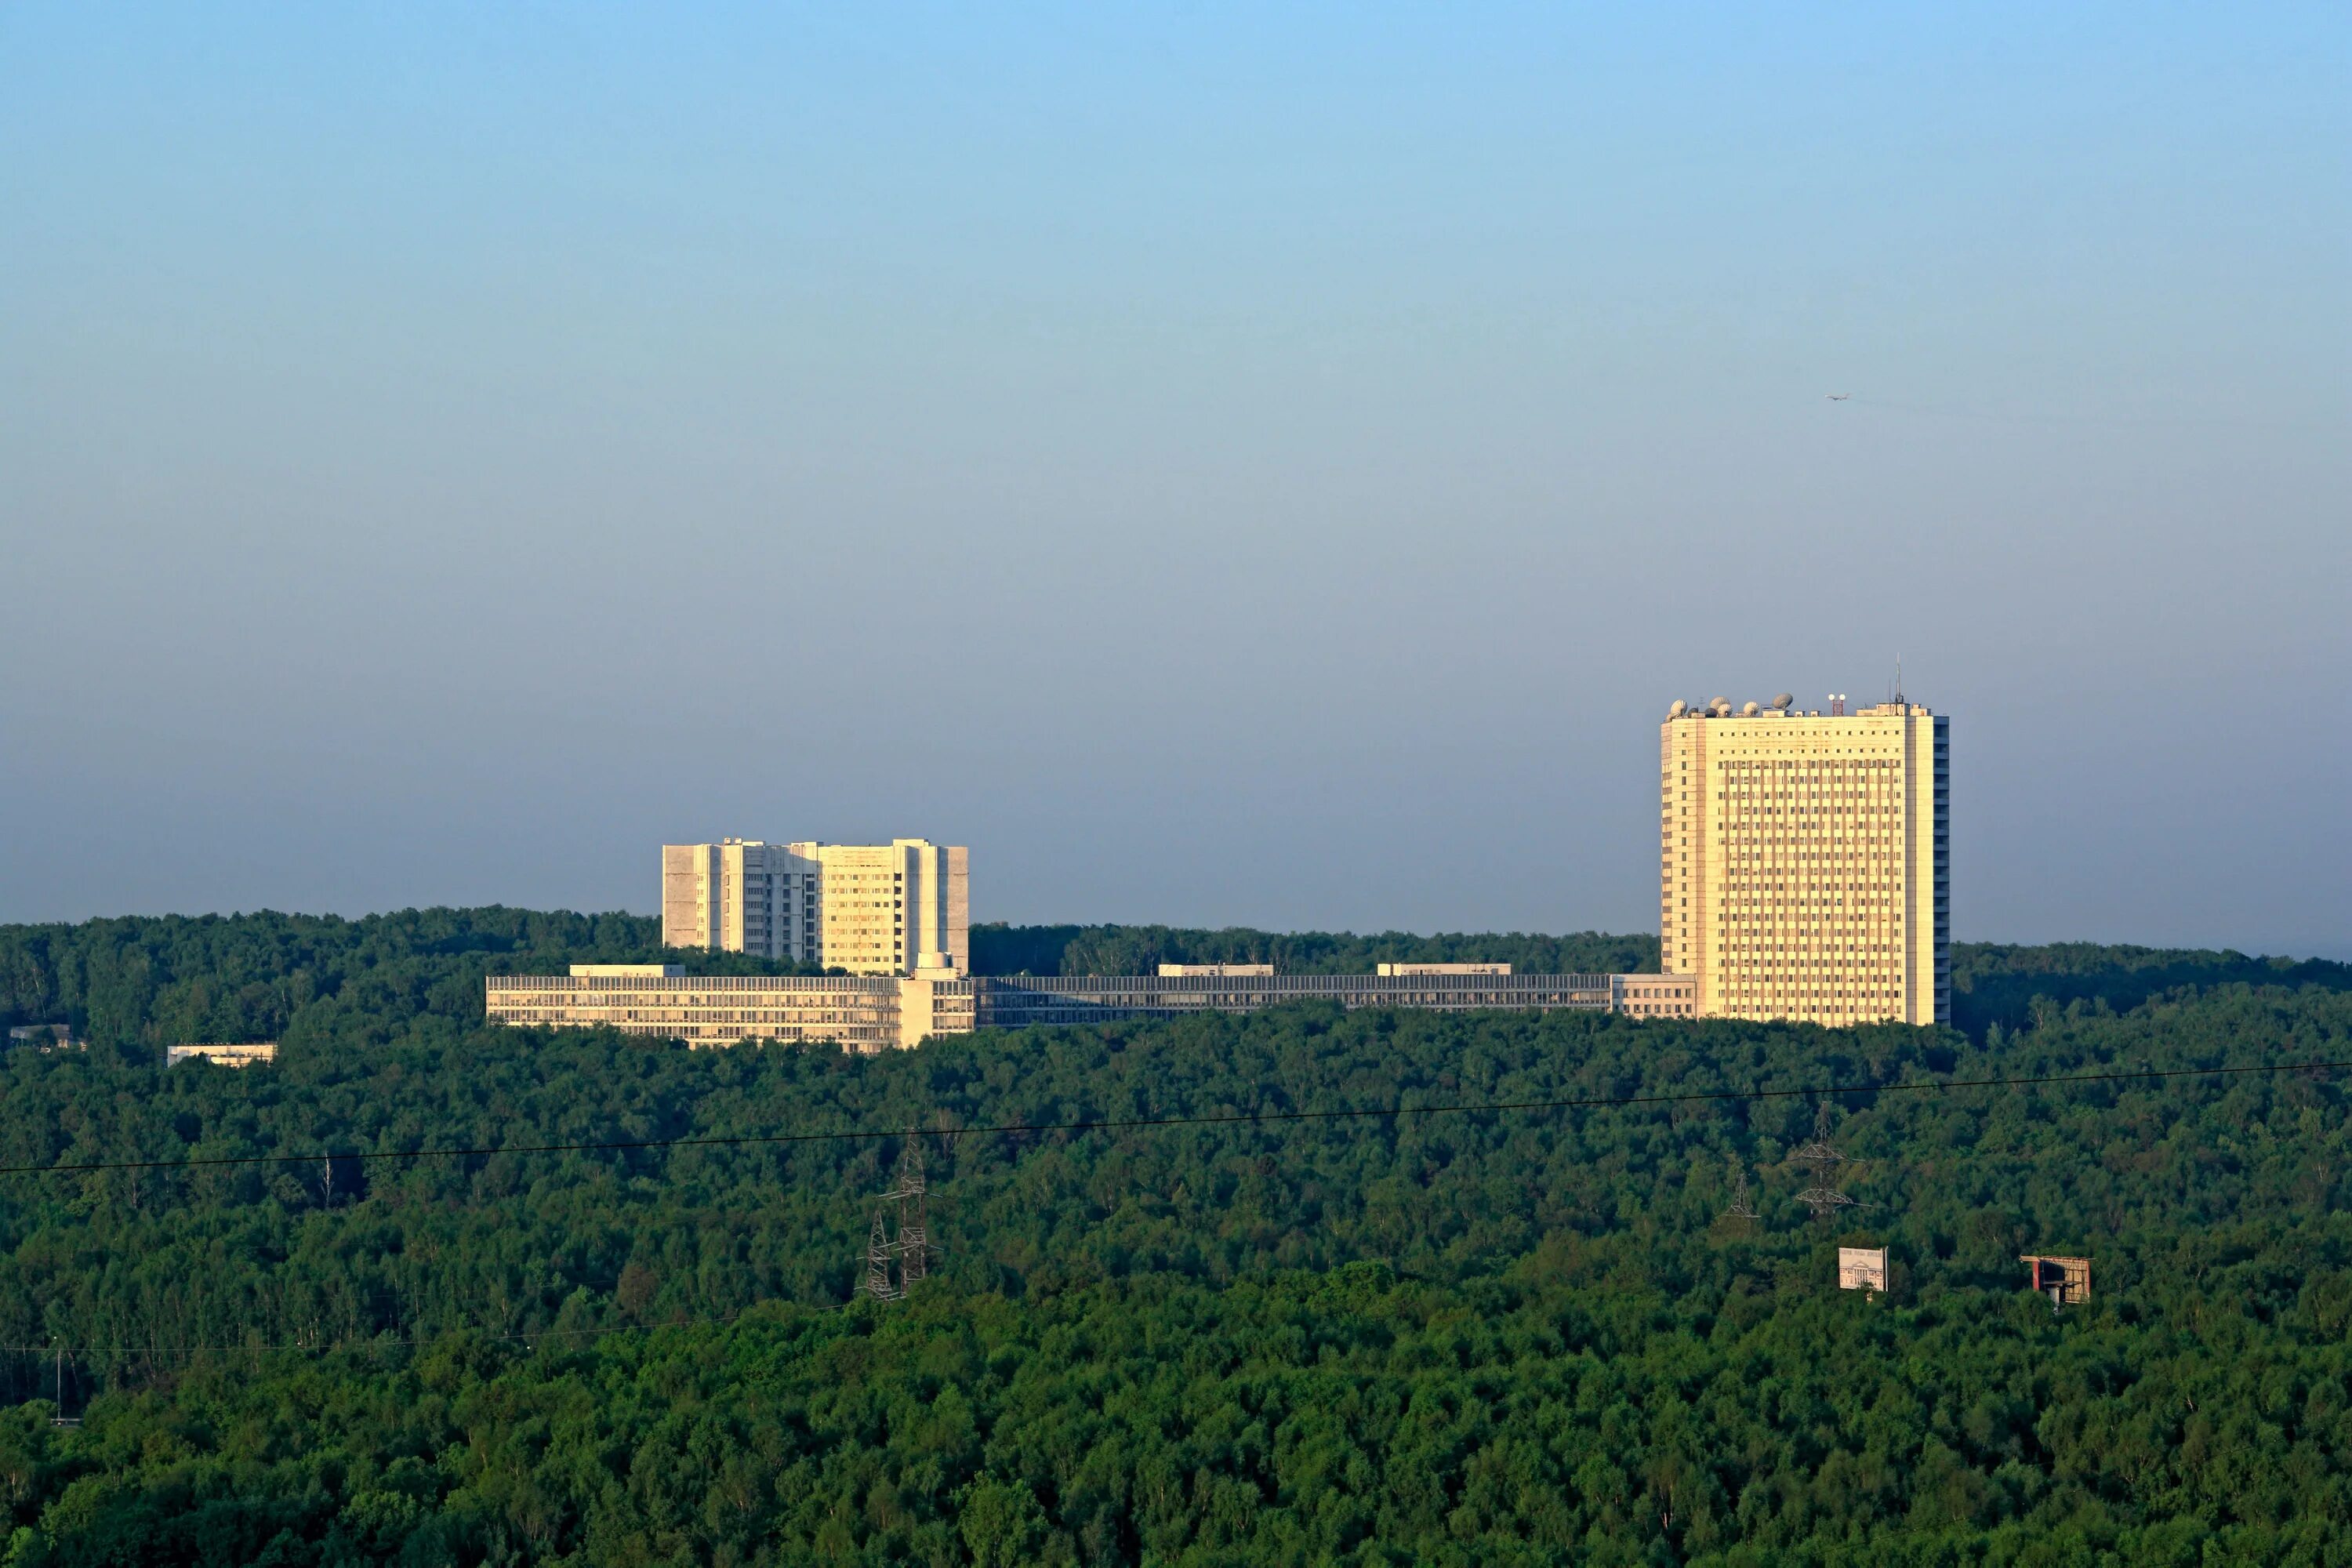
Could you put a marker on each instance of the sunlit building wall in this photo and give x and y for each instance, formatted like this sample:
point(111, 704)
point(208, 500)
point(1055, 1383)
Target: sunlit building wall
point(1804, 861)
point(869, 909)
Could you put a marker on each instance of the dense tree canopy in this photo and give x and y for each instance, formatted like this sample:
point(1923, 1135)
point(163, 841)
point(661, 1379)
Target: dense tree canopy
point(1469, 1337)
point(137, 984)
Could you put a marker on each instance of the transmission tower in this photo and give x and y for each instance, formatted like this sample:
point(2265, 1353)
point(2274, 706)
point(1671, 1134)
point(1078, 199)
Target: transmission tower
point(914, 1244)
point(1823, 1196)
point(1742, 1206)
point(910, 1252)
point(878, 1262)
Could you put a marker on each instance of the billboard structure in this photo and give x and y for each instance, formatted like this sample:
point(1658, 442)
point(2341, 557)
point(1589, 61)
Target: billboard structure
point(1862, 1269)
point(2065, 1280)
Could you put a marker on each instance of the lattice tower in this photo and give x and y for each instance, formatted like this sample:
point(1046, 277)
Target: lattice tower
point(1824, 1196)
point(877, 1261)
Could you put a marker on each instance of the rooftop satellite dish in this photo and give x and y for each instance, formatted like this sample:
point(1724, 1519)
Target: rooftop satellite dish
point(1747, 710)
point(1782, 701)
point(1679, 710)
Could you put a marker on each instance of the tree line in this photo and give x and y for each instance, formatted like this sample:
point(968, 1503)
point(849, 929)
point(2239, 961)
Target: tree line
point(139, 984)
point(1454, 1337)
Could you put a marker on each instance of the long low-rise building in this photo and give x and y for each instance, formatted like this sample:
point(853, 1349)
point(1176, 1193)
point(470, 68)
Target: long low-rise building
point(227, 1055)
point(872, 1013)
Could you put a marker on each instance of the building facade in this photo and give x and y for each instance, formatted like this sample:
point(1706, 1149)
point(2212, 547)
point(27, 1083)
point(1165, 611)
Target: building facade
point(861, 1012)
point(225, 1056)
point(1804, 867)
point(741, 895)
point(873, 1013)
point(892, 909)
point(869, 909)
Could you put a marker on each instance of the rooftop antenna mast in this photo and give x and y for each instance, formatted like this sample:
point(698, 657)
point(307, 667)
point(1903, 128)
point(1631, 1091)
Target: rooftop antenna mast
point(1823, 1196)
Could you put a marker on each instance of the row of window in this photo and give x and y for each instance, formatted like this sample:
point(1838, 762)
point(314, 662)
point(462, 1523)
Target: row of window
point(684, 1015)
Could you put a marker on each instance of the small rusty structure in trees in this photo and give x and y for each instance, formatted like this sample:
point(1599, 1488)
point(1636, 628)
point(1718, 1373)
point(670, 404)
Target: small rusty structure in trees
point(2065, 1280)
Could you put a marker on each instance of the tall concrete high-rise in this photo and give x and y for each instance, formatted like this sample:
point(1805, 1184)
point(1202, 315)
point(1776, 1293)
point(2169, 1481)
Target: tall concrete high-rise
point(741, 895)
point(1804, 865)
point(869, 909)
point(892, 909)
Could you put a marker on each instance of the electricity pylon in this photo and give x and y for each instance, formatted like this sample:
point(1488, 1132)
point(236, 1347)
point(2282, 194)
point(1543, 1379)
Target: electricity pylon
point(1823, 1196)
point(1742, 1207)
point(914, 1244)
point(878, 1262)
point(910, 1252)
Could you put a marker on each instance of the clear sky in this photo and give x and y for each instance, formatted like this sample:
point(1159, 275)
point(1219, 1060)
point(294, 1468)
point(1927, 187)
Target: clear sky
point(1263, 465)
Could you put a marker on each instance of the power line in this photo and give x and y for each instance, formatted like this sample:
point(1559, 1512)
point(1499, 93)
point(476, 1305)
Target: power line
point(1129, 1123)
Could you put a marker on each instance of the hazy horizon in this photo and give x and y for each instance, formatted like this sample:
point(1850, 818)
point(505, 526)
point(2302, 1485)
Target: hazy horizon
point(1226, 468)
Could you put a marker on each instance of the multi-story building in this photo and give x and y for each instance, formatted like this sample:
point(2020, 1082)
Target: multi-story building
point(871, 1012)
point(1803, 874)
point(861, 1012)
point(895, 907)
point(741, 895)
point(1804, 865)
point(869, 909)
point(244, 1056)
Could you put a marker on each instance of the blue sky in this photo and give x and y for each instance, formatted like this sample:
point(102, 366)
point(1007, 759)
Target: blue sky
point(1226, 465)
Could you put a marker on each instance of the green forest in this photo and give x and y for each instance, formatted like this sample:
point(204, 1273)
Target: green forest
point(1488, 1337)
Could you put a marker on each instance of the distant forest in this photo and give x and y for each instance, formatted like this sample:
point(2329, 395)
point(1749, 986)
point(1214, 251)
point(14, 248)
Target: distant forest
point(140, 983)
point(1454, 1338)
